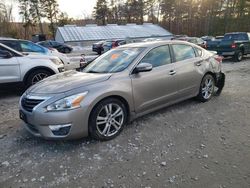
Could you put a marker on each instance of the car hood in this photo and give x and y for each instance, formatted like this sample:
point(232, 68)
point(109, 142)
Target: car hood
point(67, 81)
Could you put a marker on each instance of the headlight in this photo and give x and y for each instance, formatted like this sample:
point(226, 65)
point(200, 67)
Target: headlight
point(56, 61)
point(68, 103)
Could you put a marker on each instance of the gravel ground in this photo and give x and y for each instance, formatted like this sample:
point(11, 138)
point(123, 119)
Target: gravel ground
point(187, 145)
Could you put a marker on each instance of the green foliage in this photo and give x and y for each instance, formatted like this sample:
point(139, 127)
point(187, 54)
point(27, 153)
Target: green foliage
point(101, 11)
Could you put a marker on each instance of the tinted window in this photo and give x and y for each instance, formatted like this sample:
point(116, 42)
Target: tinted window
point(3, 52)
point(158, 56)
point(12, 44)
point(31, 47)
point(182, 52)
point(240, 36)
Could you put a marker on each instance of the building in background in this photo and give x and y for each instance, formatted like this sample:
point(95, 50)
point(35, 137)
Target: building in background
point(87, 35)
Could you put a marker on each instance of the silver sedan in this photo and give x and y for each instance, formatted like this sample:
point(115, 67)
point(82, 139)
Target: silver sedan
point(119, 86)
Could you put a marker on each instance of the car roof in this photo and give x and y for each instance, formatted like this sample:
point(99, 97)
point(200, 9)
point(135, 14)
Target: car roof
point(152, 44)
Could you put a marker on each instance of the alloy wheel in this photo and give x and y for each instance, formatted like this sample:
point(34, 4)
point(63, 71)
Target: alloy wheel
point(207, 88)
point(110, 119)
point(38, 77)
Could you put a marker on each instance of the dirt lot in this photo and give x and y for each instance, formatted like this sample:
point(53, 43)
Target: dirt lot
point(188, 145)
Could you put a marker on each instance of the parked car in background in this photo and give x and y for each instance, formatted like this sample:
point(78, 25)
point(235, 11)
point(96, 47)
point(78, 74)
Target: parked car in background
point(151, 39)
point(28, 69)
point(97, 47)
point(63, 48)
point(176, 37)
point(197, 41)
point(219, 37)
point(25, 46)
point(235, 45)
point(108, 45)
point(207, 38)
point(119, 86)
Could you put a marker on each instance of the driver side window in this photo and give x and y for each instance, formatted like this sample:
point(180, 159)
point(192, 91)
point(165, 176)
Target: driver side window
point(158, 56)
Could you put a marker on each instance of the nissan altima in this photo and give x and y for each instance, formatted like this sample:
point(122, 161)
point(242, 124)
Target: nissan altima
point(119, 86)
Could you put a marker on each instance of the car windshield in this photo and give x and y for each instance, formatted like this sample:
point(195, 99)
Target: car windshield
point(114, 61)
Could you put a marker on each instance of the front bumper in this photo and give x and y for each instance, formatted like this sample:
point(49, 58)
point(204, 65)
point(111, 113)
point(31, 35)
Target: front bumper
point(38, 121)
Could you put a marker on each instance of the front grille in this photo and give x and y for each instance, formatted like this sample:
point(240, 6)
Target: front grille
point(29, 104)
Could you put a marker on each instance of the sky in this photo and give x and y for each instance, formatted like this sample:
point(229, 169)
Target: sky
point(74, 8)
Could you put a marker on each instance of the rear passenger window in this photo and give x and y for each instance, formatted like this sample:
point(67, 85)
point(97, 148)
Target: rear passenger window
point(182, 52)
point(158, 56)
point(12, 44)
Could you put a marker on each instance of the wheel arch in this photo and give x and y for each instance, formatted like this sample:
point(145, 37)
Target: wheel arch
point(119, 97)
point(35, 69)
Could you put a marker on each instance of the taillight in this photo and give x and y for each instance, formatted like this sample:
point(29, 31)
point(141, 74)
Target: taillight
point(218, 59)
point(233, 45)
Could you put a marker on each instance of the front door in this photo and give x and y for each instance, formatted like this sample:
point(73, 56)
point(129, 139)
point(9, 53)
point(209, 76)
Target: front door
point(157, 87)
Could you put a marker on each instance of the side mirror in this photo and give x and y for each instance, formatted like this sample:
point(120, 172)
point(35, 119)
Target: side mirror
point(5, 54)
point(143, 67)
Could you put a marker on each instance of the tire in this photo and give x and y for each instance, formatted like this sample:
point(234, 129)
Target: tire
point(238, 56)
point(99, 52)
point(104, 125)
point(67, 50)
point(36, 76)
point(206, 88)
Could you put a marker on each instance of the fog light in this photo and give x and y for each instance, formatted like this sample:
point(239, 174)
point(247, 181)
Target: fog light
point(60, 130)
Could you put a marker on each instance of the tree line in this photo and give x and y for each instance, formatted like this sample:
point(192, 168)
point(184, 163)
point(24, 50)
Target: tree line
point(191, 17)
point(38, 16)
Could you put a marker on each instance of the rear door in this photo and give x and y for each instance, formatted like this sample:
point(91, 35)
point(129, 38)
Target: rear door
point(157, 87)
point(9, 68)
point(188, 65)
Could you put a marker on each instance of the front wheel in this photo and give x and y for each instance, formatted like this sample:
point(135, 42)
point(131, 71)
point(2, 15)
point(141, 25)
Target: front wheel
point(37, 76)
point(206, 88)
point(107, 119)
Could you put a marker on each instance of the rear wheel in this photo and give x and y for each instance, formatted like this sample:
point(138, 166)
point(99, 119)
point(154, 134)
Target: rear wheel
point(107, 119)
point(206, 88)
point(238, 56)
point(37, 76)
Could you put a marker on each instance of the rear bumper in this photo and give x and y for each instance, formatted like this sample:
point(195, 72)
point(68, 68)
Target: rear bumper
point(226, 53)
point(220, 82)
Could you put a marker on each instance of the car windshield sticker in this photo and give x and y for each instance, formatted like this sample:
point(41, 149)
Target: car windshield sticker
point(114, 56)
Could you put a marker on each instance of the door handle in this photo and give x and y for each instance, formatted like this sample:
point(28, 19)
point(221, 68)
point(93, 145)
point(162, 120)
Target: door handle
point(172, 72)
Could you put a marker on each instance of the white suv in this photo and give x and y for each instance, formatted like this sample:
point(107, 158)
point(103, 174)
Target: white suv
point(28, 47)
point(29, 69)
